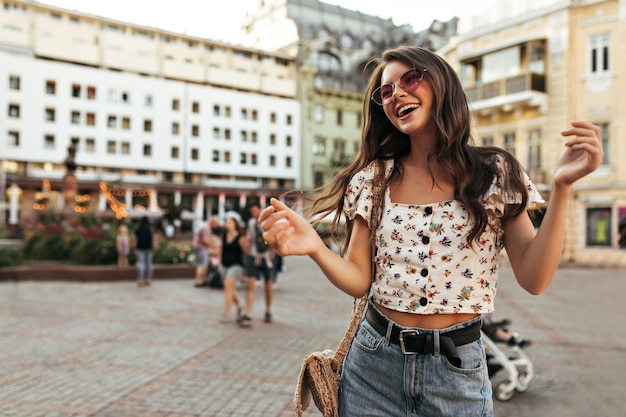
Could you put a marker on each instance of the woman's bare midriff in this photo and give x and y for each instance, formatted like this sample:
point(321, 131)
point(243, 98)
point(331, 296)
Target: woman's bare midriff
point(425, 321)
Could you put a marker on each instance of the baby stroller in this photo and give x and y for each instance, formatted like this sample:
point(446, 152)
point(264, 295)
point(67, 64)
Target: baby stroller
point(509, 368)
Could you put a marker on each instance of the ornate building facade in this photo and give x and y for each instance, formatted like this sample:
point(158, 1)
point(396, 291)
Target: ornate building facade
point(528, 71)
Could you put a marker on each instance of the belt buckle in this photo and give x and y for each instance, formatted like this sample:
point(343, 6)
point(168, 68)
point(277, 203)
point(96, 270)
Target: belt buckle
point(408, 332)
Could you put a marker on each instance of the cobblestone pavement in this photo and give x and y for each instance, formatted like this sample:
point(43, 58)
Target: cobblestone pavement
point(114, 350)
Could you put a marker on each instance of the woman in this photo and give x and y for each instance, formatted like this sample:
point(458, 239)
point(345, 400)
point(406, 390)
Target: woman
point(234, 246)
point(427, 217)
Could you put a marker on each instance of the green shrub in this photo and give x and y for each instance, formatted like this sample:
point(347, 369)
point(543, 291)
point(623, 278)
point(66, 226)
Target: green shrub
point(10, 256)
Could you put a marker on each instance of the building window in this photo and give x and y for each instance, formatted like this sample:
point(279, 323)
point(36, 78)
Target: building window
point(227, 111)
point(175, 128)
point(48, 141)
point(319, 146)
point(14, 82)
point(255, 115)
point(51, 87)
point(91, 119)
point(195, 107)
point(216, 133)
point(243, 158)
point(288, 162)
point(272, 139)
point(339, 117)
point(227, 134)
point(216, 110)
point(288, 141)
point(346, 41)
point(125, 97)
point(605, 133)
point(254, 138)
point(244, 136)
point(244, 114)
point(175, 104)
point(112, 121)
point(195, 130)
point(175, 152)
point(14, 139)
point(148, 101)
point(125, 148)
point(227, 156)
point(318, 179)
point(147, 125)
point(91, 92)
point(111, 147)
point(126, 123)
point(253, 159)
point(599, 53)
point(272, 160)
point(288, 120)
point(599, 227)
point(509, 142)
point(216, 156)
point(486, 141)
point(318, 114)
point(90, 145)
point(272, 117)
point(147, 149)
point(76, 90)
point(75, 118)
point(534, 148)
point(14, 110)
point(195, 154)
point(50, 115)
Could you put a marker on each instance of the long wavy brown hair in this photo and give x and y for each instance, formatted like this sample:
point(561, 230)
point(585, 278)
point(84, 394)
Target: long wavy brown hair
point(472, 167)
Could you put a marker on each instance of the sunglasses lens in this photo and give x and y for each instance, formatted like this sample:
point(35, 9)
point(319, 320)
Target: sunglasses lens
point(410, 80)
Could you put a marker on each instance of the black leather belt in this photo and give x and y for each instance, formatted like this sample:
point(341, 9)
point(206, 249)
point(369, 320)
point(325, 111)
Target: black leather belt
point(420, 342)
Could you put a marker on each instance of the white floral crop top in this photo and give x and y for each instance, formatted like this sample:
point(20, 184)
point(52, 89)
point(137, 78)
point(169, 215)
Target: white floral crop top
point(424, 264)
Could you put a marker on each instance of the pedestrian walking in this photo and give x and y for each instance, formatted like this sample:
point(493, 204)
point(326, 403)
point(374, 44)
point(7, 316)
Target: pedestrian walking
point(259, 262)
point(234, 245)
point(144, 244)
point(201, 244)
point(427, 216)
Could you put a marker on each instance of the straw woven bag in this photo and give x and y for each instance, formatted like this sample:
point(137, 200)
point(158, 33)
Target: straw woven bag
point(319, 375)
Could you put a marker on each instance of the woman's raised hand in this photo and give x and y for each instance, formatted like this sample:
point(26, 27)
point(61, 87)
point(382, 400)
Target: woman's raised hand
point(583, 153)
point(287, 232)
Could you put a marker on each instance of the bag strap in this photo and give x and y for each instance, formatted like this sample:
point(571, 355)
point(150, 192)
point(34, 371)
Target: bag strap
point(355, 320)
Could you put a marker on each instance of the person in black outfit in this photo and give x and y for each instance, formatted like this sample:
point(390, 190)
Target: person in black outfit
point(234, 246)
point(143, 252)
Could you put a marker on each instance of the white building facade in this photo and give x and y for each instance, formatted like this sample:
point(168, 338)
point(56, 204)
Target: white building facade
point(152, 113)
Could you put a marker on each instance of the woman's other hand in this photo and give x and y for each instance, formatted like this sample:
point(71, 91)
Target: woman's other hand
point(583, 153)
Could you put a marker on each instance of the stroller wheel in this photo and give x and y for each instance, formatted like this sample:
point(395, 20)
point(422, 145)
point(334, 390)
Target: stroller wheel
point(504, 390)
point(523, 381)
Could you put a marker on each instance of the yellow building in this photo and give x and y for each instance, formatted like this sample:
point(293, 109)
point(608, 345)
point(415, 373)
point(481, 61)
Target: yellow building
point(531, 67)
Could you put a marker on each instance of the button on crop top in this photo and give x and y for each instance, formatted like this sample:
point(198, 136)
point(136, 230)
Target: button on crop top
point(424, 263)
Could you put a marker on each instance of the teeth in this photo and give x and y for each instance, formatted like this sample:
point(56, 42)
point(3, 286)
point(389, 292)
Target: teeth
point(405, 109)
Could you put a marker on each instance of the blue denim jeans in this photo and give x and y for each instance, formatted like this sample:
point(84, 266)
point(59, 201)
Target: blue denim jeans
point(144, 264)
point(379, 380)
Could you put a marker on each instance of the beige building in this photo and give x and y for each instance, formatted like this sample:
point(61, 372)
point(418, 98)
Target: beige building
point(529, 67)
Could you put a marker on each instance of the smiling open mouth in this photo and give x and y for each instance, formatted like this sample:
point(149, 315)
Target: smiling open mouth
point(404, 110)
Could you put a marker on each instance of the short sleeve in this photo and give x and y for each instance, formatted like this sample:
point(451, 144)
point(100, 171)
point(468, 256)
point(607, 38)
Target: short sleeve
point(358, 195)
point(496, 198)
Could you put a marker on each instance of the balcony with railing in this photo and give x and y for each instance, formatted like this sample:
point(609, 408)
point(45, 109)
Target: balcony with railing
point(527, 89)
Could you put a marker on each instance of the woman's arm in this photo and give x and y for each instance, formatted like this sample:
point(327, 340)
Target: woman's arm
point(534, 256)
point(288, 233)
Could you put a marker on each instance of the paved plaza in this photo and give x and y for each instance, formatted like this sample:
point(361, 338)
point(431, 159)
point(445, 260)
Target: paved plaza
point(114, 350)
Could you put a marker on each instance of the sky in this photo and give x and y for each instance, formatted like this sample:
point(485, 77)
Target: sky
point(221, 20)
